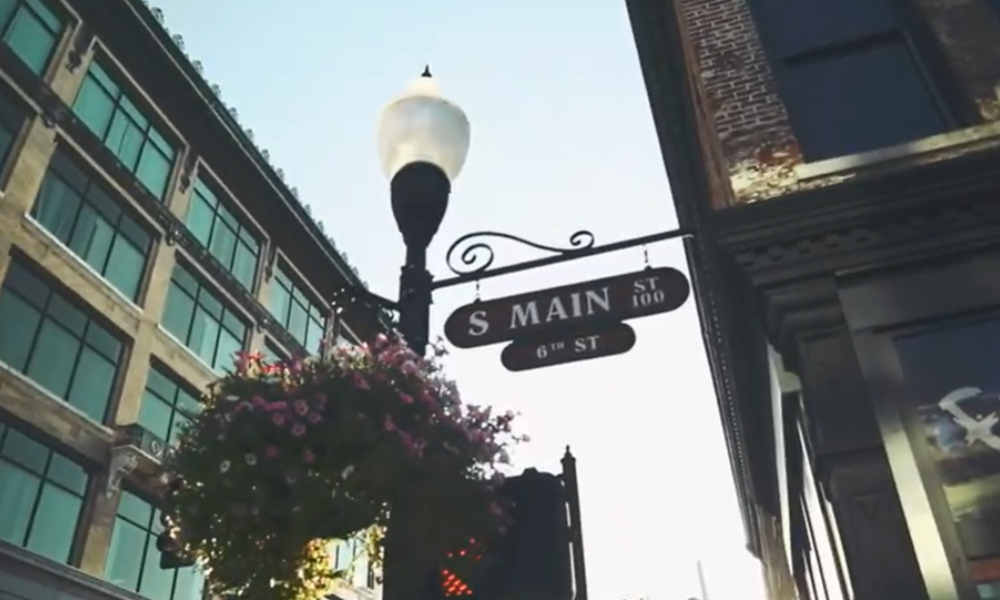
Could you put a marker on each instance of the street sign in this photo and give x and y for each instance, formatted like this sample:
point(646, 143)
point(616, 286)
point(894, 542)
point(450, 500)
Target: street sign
point(611, 299)
point(545, 351)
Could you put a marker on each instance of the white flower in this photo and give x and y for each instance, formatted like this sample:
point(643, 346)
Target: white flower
point(224, 466)
point(347, 472)
point(251, 459)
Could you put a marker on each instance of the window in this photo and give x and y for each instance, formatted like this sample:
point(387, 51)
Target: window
point(56, 344)
point(273, 354)
point(296, 313)
point(82, 216)
point(200, 321)
point(848, 75)
point(218, 229)
point(134, 562)
point(125, 130)
point(31, 30)
point(41, 495)
point(166, 406)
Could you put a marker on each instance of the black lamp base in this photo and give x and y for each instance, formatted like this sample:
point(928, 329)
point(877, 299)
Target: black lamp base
point(419, 200)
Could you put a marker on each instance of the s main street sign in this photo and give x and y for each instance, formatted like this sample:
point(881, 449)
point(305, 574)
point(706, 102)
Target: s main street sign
point(618, 298)
point(560, 349)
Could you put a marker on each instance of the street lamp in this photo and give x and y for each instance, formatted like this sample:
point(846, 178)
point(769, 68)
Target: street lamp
point(423, 140)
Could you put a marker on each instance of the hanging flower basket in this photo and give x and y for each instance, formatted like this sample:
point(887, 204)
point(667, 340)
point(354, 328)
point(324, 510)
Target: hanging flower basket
point(287, 456)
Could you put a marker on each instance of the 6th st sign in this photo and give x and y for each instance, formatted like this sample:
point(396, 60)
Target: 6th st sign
point(583, 344)
point(618, 298)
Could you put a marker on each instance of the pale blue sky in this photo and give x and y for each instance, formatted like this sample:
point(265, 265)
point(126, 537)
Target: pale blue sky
point(562, 139)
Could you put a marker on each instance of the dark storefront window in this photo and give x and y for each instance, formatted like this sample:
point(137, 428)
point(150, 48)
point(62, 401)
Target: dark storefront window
point(105, 108)
point(56, 344)
point(166, 406)
point(302, 317)
point(953, 389)
point(85, 218)
point(134, 562)
point(847, 75)
point(219, 230)
point(199, 320)
point(41, 496)
point(31, 30)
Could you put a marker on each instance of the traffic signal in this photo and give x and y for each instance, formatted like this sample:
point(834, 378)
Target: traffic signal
point(530, 562)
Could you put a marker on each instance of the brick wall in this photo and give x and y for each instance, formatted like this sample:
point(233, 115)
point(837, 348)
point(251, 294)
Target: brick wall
point(740, 92)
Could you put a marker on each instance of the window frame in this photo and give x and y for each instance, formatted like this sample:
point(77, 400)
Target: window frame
point(229, 307)
point(12, 109)
point(66, 24)
point(180, 386)
point(944, 89)
point(155, 126)
point(56, 289)
point(246, 227)
point(284, 268)
point(93, 181)
point(77, 538)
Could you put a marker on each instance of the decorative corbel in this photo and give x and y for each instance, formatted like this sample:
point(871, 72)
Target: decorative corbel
point(124, 460)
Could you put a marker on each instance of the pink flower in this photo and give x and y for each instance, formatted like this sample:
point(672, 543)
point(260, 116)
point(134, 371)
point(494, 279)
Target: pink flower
point(388, 425)
point(321, 399)
point(360, 383)
point(405, 398)
point(381, 340)
point(496, 510)
point(308, 457)
point(301, 408)
point(314, 417)
point(298, 430)
point(258, 401)
point(279, 405)
point(271, 451)
point(278, 419)
point(408, 367)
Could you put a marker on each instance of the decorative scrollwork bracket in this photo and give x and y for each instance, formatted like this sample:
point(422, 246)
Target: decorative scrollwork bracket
point(478, 256)
point(124, 460)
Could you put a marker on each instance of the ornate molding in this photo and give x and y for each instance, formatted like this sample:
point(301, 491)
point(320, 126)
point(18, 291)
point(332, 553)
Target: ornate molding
point(124, 460)
point(478, 256)
point(956, 217)
point(54, 112)
point(189, 171)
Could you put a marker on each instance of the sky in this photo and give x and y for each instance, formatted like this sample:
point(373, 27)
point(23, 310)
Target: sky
point(562, 140)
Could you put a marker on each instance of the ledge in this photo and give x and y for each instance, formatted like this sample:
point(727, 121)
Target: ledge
point(951, 141)
point(29, 403)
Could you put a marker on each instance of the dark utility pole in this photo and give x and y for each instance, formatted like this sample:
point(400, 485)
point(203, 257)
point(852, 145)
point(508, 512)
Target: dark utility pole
point(575, 528)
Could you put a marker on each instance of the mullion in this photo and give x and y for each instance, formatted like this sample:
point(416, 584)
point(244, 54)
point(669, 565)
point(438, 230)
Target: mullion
point(42, 479)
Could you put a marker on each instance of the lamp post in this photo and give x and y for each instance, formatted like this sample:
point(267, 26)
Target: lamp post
point(423, 140)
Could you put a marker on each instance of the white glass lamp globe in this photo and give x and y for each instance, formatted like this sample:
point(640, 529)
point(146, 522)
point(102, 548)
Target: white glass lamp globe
point(421, 126)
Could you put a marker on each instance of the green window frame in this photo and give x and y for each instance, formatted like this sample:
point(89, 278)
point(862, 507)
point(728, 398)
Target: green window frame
point(41, 496)
point(82, 216)
point(297, 313)
point(133, 561)
point(200, 321)
point(125, 129)
point(225, 236)
point(167, 405)
point(31, 30)
point(56, 344)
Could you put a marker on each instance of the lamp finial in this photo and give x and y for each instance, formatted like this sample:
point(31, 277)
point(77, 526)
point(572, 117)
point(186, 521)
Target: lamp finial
point(427, 71)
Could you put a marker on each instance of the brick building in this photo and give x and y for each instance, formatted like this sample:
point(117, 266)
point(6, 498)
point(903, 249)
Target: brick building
point(838, 162)
point(144, 239)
